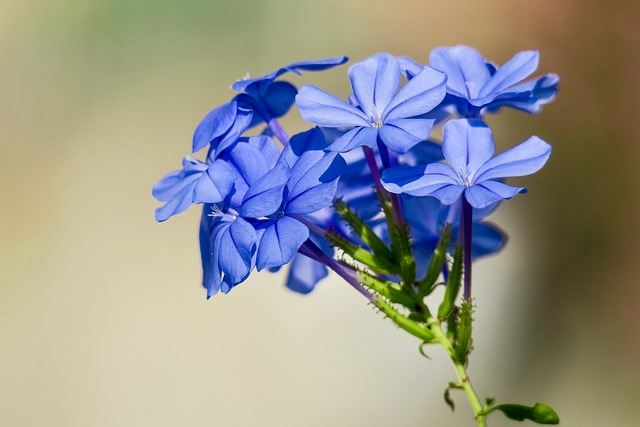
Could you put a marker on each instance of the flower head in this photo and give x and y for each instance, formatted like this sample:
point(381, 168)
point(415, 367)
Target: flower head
point(380, 111)
point(476, 86)
point(468, 147)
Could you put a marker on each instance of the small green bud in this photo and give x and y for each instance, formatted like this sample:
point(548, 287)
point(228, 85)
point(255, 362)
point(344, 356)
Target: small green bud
point(428, 283)
point(453, 285)
point(462, 344)
point(539, 413)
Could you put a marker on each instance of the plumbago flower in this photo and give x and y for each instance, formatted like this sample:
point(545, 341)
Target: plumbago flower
point(261, 100)
point(476, 86)
point(381, 111)
point(468, 147)
point(314, 203)
point(258, 225)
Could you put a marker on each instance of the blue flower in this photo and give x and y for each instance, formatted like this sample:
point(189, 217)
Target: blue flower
point(197, 182)
point(261, 100)
point(475, 85)
point(258, 225)
point(468, 147)
point(382, 112)
point(250, 85)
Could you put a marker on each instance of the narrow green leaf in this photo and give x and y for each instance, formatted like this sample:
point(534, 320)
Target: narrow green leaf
point(454, 282)
point(539, 413)
point(428, 283)
point(414, 328)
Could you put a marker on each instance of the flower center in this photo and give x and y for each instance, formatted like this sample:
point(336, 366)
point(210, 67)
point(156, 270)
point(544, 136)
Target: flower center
point(376, 123)
point(464, 174)
point(216, 212)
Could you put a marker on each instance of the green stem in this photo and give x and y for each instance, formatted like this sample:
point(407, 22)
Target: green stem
point(465, 383)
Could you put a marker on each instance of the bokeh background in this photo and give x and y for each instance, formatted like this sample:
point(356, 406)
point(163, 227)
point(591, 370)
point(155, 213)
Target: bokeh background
point(102, 318)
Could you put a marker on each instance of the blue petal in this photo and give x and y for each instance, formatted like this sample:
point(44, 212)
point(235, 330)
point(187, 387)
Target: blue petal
point(178, 204)
point(487, 192)
point(518, 68)
point(242, 122)
point(213, 125)
point(358, 137)
point(467, 146)
point(279, 97)
point(409, 67)
point(420, 95)
point(264, 197)
point(304, 274)
point(248, 160)
point(423, 153)
point(487, 239)
point(224, 123)
point(267, 147)
point(400, 135)
point(210, 281)
point(235, 251)
point(311, 140)
point(465, 69)
point(374, 82)
point(280, 242)
point(312, 65)
point(535, 94)
point(321, 108)
point(521, 160)
point(410, 179)
point(216, 184)
point(313, 182)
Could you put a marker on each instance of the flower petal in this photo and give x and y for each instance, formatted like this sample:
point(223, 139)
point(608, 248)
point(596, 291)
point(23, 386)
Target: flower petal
point(374, 82)
point(467, 146)
point(487, 192)
point(400, 135)
point(321, 108)
point(311, 65)
point(313, 182)
point(420, 95)
point(304, 274)
point(235, 250)
point(410, 179)
point(214, 185)
point(523, 159)
point(514, 71)
point(465, 69)
point(264, 197)
point(358, 137)
point(280, 242)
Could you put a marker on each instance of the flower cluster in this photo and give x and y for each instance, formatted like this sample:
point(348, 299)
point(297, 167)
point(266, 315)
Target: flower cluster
point(366, 192)
point(260, 202)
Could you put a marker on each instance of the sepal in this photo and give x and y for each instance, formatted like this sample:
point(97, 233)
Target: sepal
point(428, 283)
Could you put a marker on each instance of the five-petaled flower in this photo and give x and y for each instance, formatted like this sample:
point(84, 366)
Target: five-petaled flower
point(476, 86)
point(468, 147)
point(381, 112)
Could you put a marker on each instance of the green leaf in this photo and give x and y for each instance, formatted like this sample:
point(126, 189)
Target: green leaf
point(453, 285)
point(416, 329)
point(539, 413)
point(428, 283)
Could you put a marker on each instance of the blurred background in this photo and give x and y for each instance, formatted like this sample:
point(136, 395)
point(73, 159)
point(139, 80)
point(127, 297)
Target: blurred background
point(102, 318)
